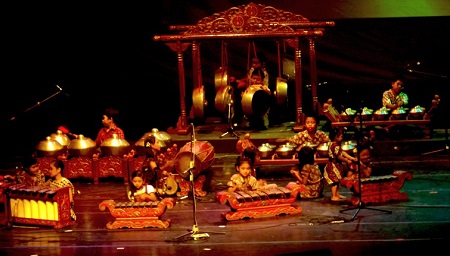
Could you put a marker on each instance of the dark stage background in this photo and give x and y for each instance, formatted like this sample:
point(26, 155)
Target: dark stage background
point(104, 55)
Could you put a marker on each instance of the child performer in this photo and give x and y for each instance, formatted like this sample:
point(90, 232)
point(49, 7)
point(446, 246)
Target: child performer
point(29, 174)
point(308, 174)
point(335, 167)
point(244, 180)
point(311, 135)
point(365, 163)
point(58, 181)
point(139, 190)
point(150, 167)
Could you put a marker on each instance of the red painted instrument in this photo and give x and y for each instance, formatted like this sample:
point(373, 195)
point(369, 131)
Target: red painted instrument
point(200, 154)
point(378, 189)
point(138, 214)
point(259, 203)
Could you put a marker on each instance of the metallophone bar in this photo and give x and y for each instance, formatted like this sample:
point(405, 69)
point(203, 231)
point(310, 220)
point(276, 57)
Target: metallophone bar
point(259, 203)
point(424, 124)
point(138, 214)
point(41, 206)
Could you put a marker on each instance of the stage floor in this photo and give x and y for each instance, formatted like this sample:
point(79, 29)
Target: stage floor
point(322, 228)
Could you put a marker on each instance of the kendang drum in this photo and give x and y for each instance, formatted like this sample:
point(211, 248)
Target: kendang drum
point(199, 153)
point(255, 100)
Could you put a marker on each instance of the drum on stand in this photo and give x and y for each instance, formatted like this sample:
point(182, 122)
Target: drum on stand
point(199, 153)
point(255, 100)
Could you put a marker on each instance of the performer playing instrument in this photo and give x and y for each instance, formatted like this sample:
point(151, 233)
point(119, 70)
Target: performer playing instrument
point(58, 181)
point(243, 180)
point(28, 174)
point(109, 121)
point(311, 135)
point(308, 174)
point(139, 190)
point(394, 97)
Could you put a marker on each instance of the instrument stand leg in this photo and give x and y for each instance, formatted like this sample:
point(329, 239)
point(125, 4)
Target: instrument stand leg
point(194, 234)
point(445, 149)
point(361, 204)
point(230, 129)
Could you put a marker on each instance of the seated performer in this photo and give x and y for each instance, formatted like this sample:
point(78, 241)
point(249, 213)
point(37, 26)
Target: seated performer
point(243, 180)
point(365, 163)
point(258, 121)
point(150, 166)
point(109, 121)
point(139, 190)
point(309, 135)
point(58, 181)
point(394, 97)
point(28, 174)
point(308, 174)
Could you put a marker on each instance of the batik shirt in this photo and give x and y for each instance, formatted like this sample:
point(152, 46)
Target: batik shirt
point(314, 183)
point(64, 183)
point(243, 183)
point(390, 98)
point(302, 138)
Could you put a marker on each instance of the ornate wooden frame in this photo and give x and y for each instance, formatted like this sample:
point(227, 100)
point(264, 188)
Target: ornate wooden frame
point(247, 22)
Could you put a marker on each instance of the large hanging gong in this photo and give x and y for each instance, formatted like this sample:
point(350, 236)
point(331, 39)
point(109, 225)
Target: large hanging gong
point(281, 89)
point(224, 97)
point(199, 102)
point(221, 76)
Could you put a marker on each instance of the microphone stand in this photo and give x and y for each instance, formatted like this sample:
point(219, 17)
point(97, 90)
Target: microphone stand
point(39, 102)
point(230, 129)
point(361, 204)
point(195, 233)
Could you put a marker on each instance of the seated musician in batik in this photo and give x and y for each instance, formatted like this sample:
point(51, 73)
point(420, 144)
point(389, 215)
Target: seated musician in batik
point(394, 97)
point(58, 181)
point(311, 135)
point(244, 180)
point(28, 174)
point(308, 174)
point(365, 163)
point(139, 190)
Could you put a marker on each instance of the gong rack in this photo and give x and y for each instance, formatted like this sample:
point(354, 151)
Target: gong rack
point(245, 22)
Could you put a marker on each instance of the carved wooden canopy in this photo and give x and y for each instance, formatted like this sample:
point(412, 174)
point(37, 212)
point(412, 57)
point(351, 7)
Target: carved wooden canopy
point(248, 21)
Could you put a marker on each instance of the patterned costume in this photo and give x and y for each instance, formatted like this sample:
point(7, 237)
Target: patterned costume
point(314, 184)
point(334, 168)
point(390, 98)
point(247, 183)
point(64, 183)
point(303, 137)
point(30, 180)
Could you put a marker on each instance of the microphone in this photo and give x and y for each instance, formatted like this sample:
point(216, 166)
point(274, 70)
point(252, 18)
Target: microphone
point(60, 89)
